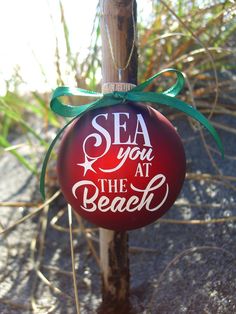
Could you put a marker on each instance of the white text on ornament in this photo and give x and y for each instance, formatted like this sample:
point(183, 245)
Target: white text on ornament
point(92, 201)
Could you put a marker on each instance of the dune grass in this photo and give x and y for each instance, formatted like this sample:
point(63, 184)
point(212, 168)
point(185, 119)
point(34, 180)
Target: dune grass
point(194, 38)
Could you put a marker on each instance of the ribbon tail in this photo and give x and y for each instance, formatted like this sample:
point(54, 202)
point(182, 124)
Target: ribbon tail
point(47, 156)
point(181, 106)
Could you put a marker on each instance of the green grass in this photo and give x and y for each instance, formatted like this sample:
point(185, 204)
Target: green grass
point(198, 41)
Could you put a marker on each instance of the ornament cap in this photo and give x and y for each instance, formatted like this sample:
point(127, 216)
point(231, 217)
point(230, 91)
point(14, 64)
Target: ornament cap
point(116, 87)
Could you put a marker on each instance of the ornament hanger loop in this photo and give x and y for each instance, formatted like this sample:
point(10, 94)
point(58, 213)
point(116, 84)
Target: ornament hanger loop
point(118, 67)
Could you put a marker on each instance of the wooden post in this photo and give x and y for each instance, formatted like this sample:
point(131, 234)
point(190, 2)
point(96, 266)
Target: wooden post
point(119, 64)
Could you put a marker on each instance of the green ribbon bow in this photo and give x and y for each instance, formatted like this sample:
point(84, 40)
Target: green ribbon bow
point(137, 94)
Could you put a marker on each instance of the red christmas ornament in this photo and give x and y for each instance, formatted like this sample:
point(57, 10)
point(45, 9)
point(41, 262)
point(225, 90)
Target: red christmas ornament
point(121, 167)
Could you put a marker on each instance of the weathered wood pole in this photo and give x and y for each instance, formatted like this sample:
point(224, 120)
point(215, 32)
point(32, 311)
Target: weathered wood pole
point(118, 32)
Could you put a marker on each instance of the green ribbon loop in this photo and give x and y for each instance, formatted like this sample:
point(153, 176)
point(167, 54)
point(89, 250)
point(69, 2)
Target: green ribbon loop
point(137, 94)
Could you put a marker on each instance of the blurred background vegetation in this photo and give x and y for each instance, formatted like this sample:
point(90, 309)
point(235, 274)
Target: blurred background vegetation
point(197, 37)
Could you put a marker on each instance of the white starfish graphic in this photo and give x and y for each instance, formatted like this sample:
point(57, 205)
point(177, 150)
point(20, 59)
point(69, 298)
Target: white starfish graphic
point(87, 165)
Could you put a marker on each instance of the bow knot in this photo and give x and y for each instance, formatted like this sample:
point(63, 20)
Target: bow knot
point(120, 95)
